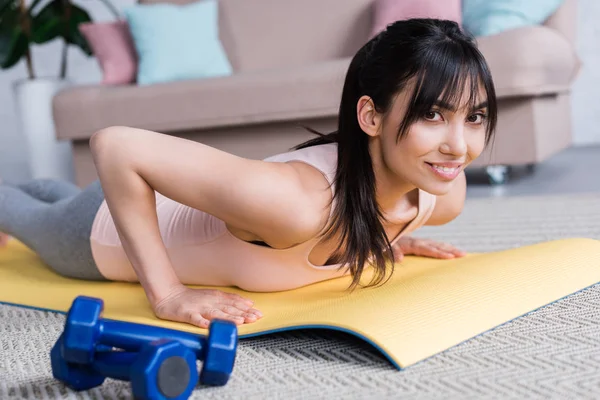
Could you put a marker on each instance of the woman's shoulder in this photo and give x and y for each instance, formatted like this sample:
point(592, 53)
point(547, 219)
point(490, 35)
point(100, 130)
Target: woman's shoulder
point(322, 157)
point(314, 168)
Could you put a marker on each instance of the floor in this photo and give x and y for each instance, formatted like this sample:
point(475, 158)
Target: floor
point(550, 353)
point(575, 170)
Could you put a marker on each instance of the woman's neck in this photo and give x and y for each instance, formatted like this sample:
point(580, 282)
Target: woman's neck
point(394, 196)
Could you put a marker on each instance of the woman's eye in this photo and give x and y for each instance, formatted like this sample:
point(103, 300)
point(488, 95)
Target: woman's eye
point(432, 115)
point(476, 118)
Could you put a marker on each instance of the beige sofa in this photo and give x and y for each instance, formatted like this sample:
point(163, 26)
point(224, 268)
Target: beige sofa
point(290, 59)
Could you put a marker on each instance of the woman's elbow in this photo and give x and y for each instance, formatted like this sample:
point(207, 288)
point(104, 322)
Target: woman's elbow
point(108, 142)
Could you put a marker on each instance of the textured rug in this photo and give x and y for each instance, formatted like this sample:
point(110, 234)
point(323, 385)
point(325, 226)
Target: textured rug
point(553, 352)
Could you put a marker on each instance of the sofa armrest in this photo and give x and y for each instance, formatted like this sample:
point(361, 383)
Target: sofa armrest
point(564, 20)
point(530, 61)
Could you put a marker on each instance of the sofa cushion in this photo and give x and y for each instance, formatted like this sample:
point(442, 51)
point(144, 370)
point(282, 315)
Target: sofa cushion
point(112, 46)
point(528, 61)
point(177, 42)
point(490, 17)
point(386, 12)
point(292, 33)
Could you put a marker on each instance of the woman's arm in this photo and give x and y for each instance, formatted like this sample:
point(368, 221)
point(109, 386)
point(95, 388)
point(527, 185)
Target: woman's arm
point(264, 198)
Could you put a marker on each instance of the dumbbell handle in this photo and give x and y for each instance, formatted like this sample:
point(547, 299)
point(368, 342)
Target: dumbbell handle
point(131, 337)
point(114, 364)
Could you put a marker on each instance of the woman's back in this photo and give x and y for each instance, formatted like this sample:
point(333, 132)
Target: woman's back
point(205, 252)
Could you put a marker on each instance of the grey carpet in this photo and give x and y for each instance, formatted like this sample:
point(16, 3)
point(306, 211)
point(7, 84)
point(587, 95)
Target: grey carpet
point(553, 352)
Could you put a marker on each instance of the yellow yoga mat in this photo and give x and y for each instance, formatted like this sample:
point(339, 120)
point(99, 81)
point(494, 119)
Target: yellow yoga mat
point(427, 307)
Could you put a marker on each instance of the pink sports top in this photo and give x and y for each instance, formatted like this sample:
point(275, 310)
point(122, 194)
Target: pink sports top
point(204, 252)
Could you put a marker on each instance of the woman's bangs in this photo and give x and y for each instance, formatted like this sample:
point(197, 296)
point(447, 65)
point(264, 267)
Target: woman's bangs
point(447, 71)
point(444, 80)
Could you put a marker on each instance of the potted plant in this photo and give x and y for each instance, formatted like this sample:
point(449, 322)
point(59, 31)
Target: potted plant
point(21, 28)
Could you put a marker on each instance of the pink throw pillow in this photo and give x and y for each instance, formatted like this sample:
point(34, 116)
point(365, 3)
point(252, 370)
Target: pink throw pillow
point(113, 47)
point(389, 11)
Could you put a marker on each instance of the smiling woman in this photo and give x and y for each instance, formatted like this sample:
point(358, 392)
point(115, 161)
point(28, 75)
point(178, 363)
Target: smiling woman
point(418, 105)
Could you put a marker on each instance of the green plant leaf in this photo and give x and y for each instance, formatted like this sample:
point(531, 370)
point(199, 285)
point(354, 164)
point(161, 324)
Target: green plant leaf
point(47, 24)
point(52, 22)
point(73, 35)
point(17, 50)
point(6, 43)
point(5, 5)
point(13, 42)
point(9, 12)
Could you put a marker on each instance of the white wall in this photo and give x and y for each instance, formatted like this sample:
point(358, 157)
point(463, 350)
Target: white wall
point(586, 89)
point(13, 166)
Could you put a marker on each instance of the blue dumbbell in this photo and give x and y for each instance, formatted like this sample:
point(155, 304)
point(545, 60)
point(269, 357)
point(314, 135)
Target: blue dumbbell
point(163, 369)
point(85, 330)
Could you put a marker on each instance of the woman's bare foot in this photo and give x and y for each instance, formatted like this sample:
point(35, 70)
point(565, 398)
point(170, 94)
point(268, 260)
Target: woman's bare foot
point(4, 238)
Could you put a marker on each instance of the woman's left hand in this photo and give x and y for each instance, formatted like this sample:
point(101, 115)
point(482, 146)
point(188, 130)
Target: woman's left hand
point(426, 248)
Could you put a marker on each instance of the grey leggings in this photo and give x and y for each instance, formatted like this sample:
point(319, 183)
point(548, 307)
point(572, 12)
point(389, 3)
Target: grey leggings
point(54, 219)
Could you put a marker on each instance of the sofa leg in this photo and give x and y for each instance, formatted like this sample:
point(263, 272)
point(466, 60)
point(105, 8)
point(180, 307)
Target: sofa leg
point(530, 168)
point(497, 174)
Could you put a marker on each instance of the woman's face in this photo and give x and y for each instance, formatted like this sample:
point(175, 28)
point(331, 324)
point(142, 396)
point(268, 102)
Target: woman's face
point(438, 146)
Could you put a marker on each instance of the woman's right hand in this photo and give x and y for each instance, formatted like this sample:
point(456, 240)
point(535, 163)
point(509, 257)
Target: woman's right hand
point(200, 306)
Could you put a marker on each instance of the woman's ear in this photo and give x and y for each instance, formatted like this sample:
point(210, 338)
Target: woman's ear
point(368, 118)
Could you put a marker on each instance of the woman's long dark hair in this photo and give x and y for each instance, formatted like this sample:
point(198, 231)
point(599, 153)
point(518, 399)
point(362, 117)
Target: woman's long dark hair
point(442, 61)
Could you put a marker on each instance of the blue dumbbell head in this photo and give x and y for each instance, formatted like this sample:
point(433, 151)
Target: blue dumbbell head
point(81, 331)
point(164, 369)
point(76, 377)
point(85, 330)
point(220, 353)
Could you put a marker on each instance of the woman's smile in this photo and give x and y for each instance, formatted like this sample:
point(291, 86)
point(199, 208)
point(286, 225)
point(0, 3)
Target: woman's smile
point(447, 171)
